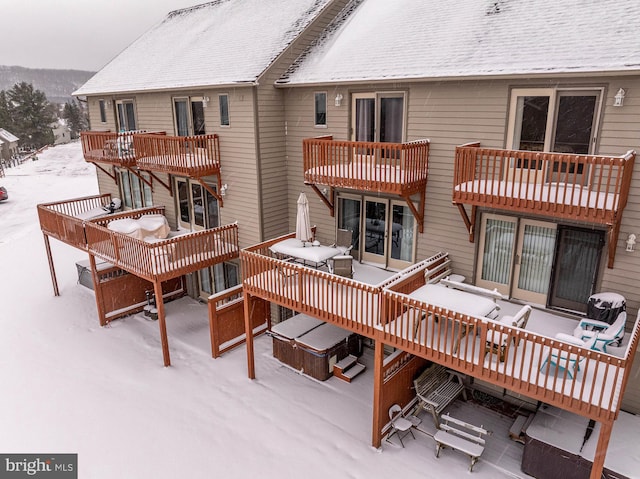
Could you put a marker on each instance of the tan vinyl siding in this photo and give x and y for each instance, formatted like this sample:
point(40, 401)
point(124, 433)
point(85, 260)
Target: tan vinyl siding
point(277, 199)
point(454, 113)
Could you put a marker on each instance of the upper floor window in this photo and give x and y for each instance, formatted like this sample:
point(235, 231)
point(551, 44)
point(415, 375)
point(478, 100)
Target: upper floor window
point(126, 115)
point(554, 120)
point(189, 116)
point(103, 111)
point(378, 117)
point(320, 109)
point(223, 101)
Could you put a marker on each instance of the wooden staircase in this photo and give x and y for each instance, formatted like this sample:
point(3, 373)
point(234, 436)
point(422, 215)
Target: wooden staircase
point(348, 368)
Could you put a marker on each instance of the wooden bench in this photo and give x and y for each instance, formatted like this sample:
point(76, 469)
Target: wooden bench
point(461, 436)
point(436, 388)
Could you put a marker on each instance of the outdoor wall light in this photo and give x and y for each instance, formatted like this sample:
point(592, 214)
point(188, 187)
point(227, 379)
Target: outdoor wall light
point(339, 98)
point(205, 101)
point(619, 98)
point(223, 189)
point(631, 242)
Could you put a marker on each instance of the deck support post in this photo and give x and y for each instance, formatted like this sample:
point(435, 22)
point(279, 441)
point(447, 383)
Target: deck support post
point(97, 289)
point(52, 268)
point(601, 449)
point(251, 367)
point(162, 323)
point(378, 422)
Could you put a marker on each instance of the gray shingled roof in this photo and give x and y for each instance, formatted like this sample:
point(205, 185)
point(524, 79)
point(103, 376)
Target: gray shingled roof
point(410, 39)
point(218, 43)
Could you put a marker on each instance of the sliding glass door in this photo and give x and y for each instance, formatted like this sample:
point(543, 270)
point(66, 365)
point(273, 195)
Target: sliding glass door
point(539, 262)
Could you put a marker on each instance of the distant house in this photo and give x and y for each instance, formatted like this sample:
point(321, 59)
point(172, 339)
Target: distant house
point(61, 132)
point(8, 144)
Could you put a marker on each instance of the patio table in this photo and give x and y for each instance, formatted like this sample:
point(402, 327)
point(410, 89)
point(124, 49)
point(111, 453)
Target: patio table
point(303, 251)
point(456, 300)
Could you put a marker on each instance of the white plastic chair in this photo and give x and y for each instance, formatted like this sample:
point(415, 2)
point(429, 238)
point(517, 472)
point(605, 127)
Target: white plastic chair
point(497, 341)
point(400, 425)
point(607, 333)
point(565, 360)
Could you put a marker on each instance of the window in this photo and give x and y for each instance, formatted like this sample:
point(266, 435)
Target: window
point(126, 115)
point(559, 120)
point(135, 192)
point(197, 208)
point(103, 111)
point(541, 262)
point(378, 117)
point(384, 230)
point(189, 116)
point(223, 101)
point(321, 109)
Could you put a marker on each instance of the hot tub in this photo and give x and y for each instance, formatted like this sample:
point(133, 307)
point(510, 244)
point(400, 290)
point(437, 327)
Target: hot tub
point(284, 336)
point(324, 346)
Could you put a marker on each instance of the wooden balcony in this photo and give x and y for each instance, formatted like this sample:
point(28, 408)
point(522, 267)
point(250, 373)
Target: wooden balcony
point(63, 219)
point(386, 313)
point(194, 156)
point(163, 259)
point(111, 148)
point(586, 188)
point(391, 168)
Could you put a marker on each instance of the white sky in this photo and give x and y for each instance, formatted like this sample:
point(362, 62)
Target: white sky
point(75, 34)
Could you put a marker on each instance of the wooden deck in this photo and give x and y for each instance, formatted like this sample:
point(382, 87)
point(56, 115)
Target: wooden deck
point(391, 168)
point(586, 188)
point(194, 156)
point(387, 314)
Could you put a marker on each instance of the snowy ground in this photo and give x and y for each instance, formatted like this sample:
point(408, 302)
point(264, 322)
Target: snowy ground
point(70, 386)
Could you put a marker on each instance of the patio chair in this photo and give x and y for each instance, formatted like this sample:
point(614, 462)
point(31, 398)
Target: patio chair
point(607, 333)
point(565, 360)
point(342, 266)
point(400, 425)
point(344, 241)
point(497, 341)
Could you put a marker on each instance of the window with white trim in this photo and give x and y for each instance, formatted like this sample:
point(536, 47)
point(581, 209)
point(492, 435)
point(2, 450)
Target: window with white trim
point(189, 116)
point(223, 103)
point(562, 120)
point(103, 111)
point(134, 192)
point(126, 110)
point(320, 109)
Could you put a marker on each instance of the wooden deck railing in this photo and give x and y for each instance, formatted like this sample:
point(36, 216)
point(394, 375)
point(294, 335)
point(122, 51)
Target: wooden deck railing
point(164, 259)
point(395, 168)
point(107, 147)
point(194, 156)
point(60, 219)
point(385, 312)
point(580, 187)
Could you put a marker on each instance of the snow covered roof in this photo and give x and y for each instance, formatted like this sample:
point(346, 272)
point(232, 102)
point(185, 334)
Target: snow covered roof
point(409, 39)
point(9, 137)
point(217, 43)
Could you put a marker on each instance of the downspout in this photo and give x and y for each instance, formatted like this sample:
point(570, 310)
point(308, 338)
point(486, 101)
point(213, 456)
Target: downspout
point(256, 128)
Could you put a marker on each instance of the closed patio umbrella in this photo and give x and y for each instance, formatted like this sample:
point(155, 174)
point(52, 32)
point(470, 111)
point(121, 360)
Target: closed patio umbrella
point(303, 223)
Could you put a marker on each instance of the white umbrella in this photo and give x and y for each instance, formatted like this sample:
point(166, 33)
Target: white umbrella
point(303, 223)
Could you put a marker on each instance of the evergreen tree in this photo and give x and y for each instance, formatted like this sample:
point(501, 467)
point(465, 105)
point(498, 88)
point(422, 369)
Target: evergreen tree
point(31, 115)
point(76, 118)
point(5, 116)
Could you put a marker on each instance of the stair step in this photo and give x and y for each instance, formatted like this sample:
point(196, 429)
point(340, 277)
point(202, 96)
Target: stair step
point(354, 370)
point(345, 363)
